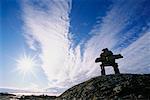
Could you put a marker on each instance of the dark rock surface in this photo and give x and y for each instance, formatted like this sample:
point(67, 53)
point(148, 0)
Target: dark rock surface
point(111, 87)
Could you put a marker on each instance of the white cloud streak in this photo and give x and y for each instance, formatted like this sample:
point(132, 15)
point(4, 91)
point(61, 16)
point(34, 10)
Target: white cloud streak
point(46, 24)
point(108, 34)
point(47, 28)
point(137, 56)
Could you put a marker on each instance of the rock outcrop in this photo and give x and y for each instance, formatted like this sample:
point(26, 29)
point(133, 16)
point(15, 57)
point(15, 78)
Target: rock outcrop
point(111, 87)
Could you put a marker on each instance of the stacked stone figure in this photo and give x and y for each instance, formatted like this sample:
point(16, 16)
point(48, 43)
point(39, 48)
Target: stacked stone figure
point(107, 58)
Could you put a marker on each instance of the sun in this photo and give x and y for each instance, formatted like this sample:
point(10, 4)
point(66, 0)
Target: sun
point(26, 64)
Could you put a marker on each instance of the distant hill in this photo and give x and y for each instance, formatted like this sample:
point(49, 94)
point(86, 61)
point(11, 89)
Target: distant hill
point(4, 90)
point(111, 87)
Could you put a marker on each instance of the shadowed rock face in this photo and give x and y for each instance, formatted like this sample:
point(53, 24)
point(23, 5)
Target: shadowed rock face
point(111, 87)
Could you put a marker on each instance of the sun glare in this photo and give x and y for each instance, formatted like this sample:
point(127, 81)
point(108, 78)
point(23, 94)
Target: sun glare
point(26, 64)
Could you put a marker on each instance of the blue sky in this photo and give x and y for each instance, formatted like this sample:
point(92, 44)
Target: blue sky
point(65, 37)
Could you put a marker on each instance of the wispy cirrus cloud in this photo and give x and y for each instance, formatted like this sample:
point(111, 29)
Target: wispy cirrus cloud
point(47, 29)
point(119, 33)
point(46, 25)
point(136, 56)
